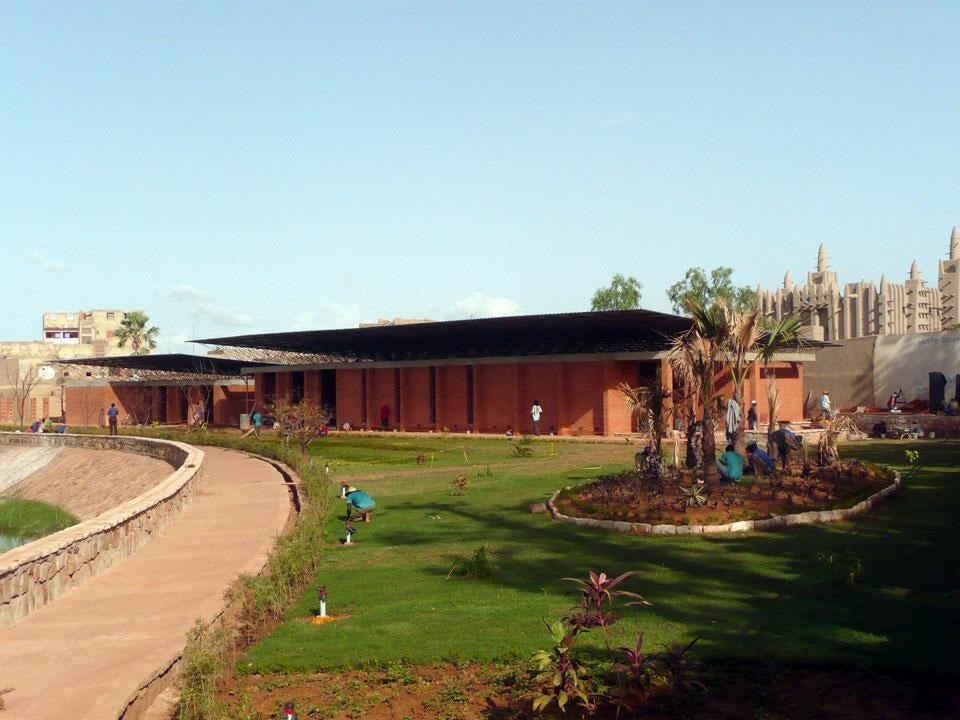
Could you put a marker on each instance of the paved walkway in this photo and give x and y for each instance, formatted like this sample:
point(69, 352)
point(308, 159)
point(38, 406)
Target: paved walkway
point(87, 654)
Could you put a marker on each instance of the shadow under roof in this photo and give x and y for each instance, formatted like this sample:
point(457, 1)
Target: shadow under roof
point(615, 331)
point(179, 363)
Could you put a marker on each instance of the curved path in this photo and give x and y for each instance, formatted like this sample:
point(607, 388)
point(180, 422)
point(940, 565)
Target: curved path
point(87, 654)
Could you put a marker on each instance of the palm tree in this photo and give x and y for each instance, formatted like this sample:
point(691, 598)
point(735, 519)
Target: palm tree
point(695, 355)
point(740, 345)
point(649, 406)
point(775, 335)
point(133, 328)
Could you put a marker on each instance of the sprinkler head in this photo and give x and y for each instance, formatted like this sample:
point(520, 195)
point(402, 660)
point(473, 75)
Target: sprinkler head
point(289, 713)
point(322, 593)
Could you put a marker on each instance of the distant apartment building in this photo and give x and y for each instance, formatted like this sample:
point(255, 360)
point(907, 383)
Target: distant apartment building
point(838, 312)
point(24, 371)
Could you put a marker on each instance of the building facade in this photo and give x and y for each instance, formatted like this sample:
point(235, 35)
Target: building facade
point(839, 312)
point(483, 375)
point(28, 373)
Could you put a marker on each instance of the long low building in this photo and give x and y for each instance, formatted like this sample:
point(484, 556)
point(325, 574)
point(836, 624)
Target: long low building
point(483, 375)
point(479, 376)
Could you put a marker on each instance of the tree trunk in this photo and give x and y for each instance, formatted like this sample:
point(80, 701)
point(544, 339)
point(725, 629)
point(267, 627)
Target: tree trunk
point(710, 473)
point(691, 460)
point(740, 441)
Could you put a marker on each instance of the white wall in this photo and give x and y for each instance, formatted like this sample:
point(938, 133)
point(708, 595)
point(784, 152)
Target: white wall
point(907, 360)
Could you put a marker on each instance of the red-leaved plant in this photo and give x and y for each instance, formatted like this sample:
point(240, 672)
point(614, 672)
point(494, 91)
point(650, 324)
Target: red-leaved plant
point(598, 595)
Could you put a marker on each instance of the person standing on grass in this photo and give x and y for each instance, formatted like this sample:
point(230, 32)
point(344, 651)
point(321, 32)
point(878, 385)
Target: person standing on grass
point(825, 410)
point(113, 416)
point(535, 412)
point(256, 420)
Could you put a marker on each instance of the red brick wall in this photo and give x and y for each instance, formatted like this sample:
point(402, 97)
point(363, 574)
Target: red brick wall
point(452, 397)
point(496, 407)
point(311, 386)
point(789, 380)
point(540, 381)
point(349, 400)
point(85, 405)
point(380, 392)
point(581, 399)
point(618, 418)
point(228, 402)
point(577, 397)
point(415, 400)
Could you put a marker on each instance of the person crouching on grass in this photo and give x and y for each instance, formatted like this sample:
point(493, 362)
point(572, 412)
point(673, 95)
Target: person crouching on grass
point(730, 465)
point(360, 503)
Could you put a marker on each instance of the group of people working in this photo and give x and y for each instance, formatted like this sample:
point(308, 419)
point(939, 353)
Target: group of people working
point(46, 425)
point(732, 465)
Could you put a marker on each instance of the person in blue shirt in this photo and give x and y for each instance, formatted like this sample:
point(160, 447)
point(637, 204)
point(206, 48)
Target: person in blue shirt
point(113, 419)
point(730, 465)
point(256, 422)
point(359, 502)
point(757, 460)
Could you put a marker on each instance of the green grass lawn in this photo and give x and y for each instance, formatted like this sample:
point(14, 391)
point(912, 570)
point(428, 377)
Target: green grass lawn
point(758, 597)
point(30, 519)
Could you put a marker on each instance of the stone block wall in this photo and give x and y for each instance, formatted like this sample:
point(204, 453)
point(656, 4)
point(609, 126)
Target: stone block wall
point(41, 571)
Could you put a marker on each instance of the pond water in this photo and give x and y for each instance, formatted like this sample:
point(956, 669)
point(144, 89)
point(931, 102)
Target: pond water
point(9, 543)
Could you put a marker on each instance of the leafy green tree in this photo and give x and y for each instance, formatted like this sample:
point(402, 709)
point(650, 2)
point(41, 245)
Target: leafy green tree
point(133, 329)
point(623, 294)
point(708, 291)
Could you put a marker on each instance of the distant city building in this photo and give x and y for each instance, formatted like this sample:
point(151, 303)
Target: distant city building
point(396, 321)
point(835, 312)
point(65, 336)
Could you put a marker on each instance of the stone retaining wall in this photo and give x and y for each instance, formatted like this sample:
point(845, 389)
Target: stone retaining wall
point(41, 571)
point(771, 523)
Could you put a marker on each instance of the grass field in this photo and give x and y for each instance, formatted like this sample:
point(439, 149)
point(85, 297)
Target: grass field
point(31, 519)
point(405, 590)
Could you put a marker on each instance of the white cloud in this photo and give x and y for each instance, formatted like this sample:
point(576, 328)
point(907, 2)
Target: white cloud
point(479, 305)
point(219, 315)
point(46, 263)
point(205, 308)
point(184, 293)
point(323, 317)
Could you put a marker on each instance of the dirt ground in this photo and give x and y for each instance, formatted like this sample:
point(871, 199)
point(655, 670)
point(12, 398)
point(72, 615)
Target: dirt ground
point(87, 482)
point(637, 497)
point(502, 692)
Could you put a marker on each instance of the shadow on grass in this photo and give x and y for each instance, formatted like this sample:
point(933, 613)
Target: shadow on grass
point(768, 595)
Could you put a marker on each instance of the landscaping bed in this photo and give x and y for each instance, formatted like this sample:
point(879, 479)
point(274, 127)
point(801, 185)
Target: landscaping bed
point(676, 498)
point(501, 691)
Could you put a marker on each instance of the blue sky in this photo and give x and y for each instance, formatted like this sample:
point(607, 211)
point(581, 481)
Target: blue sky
point(247, 167)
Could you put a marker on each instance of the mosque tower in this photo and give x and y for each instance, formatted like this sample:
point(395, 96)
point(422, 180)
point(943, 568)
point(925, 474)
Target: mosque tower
point(949, 284)
point(823, 298)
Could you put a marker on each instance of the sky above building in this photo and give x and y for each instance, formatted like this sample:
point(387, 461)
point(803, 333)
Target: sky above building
point(254, 167)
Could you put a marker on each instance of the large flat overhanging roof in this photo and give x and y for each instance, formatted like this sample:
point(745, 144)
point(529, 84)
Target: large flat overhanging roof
point(617, 331)
point(174, 363)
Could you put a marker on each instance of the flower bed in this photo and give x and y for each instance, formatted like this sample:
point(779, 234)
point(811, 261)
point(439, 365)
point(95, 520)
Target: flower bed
point(674, 503)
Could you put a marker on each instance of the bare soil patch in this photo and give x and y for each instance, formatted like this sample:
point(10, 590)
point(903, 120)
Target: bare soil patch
point(501, 692)
point(667, 497)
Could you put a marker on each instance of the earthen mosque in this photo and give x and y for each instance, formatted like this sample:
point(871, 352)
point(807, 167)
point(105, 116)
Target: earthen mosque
point(836, 312)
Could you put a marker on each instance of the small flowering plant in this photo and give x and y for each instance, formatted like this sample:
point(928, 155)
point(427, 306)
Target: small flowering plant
point(597, 596)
